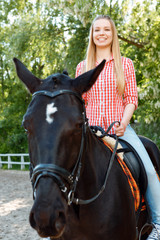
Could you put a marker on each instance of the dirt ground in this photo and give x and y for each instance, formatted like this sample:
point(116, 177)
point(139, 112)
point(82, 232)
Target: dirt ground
point(15, 204)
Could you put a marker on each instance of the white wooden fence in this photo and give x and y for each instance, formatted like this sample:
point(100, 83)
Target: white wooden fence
point(7, 159)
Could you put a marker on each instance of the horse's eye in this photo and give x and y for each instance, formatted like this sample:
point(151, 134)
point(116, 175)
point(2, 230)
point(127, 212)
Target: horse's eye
point(25, 125)
point(79, 125)
point(26, 131)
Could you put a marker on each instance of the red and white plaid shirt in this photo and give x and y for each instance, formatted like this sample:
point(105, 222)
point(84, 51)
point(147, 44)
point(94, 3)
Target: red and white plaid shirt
point(103, 102)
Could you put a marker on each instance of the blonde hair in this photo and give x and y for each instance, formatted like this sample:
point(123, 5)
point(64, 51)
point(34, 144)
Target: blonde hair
point(91, 54)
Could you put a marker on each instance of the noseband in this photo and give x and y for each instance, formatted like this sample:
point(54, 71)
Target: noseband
point(61, 176)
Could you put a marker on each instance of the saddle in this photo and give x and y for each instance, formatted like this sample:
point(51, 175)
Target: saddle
point(131, 162)
point(135, 165)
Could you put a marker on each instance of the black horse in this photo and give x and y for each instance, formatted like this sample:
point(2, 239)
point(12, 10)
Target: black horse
point(69, 163)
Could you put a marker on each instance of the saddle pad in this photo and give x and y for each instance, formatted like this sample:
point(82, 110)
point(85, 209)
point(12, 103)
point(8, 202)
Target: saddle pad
point(132, 183)
point(111, 142)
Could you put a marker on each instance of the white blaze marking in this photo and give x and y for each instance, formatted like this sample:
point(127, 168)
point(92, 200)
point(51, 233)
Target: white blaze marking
point(50, 110)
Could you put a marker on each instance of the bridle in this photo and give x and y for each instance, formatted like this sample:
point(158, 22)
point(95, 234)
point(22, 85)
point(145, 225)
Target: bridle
point(67, 181)
point(60, 175)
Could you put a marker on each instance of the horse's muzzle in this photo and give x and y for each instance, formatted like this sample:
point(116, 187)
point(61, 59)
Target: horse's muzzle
point(49, 211)
point(46, 225)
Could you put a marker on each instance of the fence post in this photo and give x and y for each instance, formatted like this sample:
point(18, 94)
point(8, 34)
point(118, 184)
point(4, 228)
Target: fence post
point(9, 162)
point(22, 162)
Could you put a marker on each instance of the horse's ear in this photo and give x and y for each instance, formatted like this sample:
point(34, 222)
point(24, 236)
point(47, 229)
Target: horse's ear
point(85, 81)
point(26, 76)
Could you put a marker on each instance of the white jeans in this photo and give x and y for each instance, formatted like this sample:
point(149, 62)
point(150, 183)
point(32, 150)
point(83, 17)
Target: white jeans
point(153, 189)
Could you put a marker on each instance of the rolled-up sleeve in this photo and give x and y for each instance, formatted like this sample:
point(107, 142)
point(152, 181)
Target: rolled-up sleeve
point(130, 93)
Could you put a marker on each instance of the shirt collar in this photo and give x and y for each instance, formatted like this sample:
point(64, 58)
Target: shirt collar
point(111, 58)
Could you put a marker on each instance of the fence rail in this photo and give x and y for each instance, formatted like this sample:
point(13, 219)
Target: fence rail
point(7, 159)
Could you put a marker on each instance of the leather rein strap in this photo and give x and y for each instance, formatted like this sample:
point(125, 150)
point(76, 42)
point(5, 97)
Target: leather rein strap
point(83, 202)
point(59, 174)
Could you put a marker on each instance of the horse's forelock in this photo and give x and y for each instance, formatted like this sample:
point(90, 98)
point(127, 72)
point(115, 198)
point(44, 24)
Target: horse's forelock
point(65, 72)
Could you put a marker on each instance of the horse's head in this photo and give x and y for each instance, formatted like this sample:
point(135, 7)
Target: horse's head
point(55, 123)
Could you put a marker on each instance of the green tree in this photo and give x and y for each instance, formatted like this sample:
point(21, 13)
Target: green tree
point(143, 29)
point(49, 35)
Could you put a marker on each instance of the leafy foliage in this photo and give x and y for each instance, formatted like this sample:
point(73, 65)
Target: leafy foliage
point(50, 35)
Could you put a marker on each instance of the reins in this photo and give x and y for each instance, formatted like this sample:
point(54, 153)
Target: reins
point(83, 202)
point(59, 174)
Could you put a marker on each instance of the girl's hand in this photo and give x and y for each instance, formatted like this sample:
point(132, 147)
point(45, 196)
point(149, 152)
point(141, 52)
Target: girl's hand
point(120, 129)
point(127, 114)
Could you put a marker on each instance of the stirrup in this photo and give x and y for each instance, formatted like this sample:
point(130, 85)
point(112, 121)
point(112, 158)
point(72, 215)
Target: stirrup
point(154, 226)
point(145, 225)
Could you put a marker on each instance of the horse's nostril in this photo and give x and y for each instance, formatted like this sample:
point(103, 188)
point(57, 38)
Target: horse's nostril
point(32, 220)
point(58, 225)
point(60, 222)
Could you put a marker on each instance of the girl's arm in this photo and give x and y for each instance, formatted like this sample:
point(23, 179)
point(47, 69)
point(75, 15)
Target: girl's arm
point(130, 96)
point(127, 115)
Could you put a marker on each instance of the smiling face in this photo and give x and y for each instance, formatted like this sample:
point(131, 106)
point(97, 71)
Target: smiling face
point(102, 33)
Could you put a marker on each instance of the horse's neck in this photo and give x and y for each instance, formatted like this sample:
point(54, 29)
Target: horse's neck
point(95, 162)
point(97, 153)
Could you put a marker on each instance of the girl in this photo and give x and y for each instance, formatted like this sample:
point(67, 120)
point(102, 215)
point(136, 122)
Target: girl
point(114, 98)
